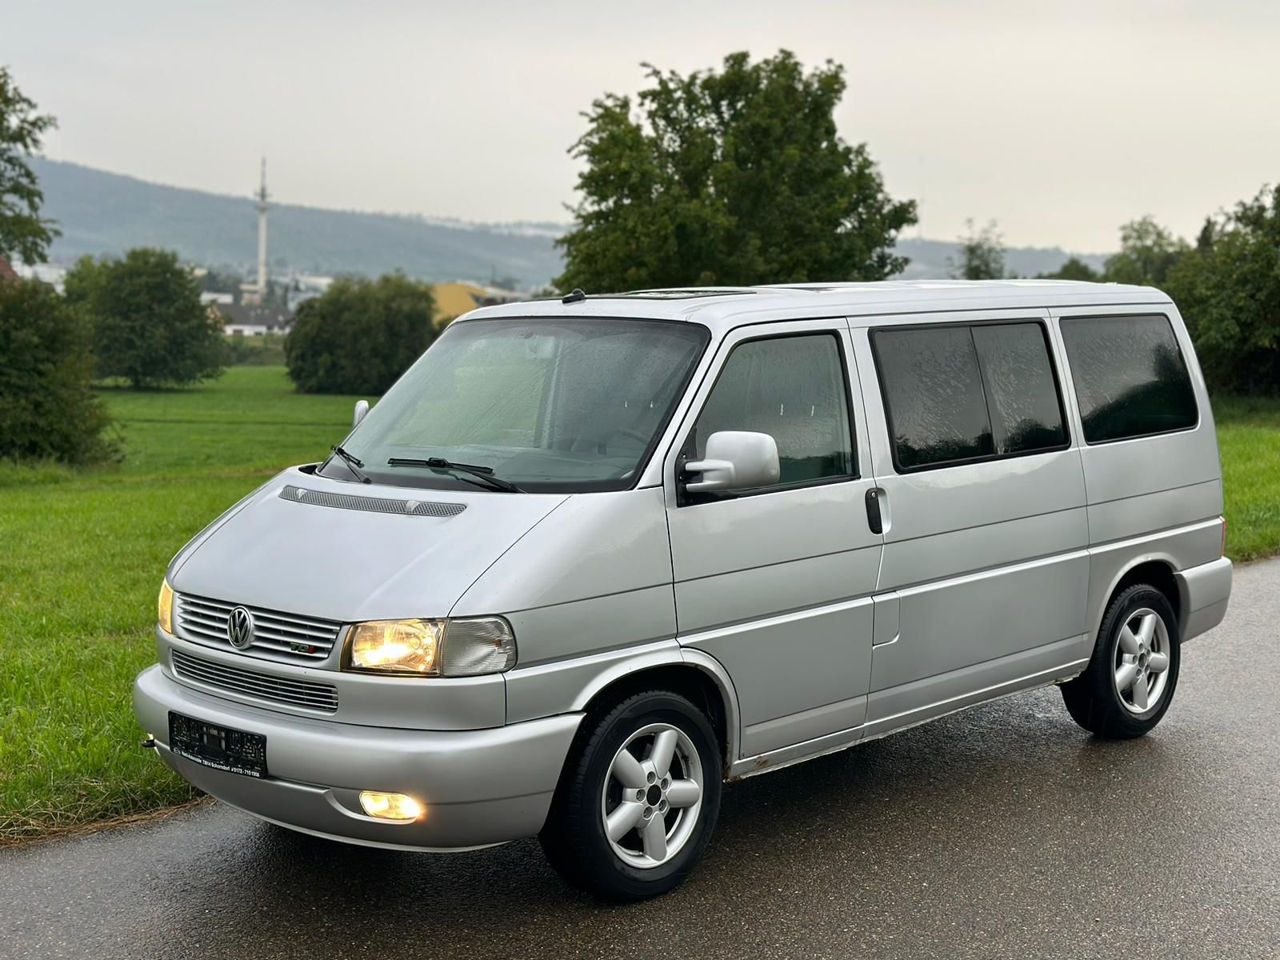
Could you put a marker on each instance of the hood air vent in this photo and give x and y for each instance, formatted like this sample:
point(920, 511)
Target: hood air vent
point(346, 501)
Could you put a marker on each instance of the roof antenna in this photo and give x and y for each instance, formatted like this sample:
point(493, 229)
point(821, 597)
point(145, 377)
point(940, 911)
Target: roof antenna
point(574, 296)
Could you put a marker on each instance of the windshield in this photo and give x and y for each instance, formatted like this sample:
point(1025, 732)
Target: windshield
point(545, 404)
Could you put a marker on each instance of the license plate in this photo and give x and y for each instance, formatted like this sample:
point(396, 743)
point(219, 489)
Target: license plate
point(219, 747)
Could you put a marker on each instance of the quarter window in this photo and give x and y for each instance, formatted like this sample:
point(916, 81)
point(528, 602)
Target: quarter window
point(794, 389)
point(1130, 377)
point(958, 393)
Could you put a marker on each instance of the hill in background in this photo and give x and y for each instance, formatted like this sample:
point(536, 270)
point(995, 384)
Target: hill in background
point(100, 212)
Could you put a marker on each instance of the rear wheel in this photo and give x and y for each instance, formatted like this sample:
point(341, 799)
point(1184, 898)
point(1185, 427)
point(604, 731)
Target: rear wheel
point(638, 799)
point(1131, 677)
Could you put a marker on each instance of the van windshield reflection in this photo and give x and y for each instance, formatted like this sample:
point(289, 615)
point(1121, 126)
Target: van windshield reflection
point(543, 405)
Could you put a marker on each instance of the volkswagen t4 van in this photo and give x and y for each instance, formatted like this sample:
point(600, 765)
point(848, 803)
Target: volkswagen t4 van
point(589, 558)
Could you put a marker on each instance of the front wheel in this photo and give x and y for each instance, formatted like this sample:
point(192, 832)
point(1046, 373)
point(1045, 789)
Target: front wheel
point(638, 799)
point(1130, 680)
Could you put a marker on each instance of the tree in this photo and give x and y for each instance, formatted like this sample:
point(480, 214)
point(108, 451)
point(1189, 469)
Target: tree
point(1072, 269)
point(47, 408)
point(1228, 289)
point(149, 325)
point(730, 177)
point(1147, 253)
point(22, 232)
point(981, 254)
point(360, 335)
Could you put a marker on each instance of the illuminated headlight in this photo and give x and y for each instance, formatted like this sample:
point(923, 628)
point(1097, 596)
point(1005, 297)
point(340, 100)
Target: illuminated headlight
point(164, 607)
point(432, 648)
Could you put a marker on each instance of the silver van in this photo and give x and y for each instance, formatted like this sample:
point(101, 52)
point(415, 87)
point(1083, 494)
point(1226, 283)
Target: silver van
point(591, 557)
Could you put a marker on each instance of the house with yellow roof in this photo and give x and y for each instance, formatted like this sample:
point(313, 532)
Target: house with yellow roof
point(456, 298)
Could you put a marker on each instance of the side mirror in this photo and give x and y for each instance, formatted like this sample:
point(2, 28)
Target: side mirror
point(362, 407)
point(735, 460)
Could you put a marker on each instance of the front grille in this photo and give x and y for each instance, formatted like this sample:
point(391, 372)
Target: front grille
point(257, 686)
point(284, 634)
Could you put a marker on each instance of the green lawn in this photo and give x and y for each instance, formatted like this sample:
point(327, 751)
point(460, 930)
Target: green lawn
point(1249, 441)
point(84, 552)
point(82, 561)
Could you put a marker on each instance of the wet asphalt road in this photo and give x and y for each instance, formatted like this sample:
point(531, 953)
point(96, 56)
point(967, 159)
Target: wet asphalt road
point(1001, 832)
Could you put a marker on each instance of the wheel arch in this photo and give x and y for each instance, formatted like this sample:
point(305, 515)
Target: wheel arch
point(692, 673)
point(1158, 570)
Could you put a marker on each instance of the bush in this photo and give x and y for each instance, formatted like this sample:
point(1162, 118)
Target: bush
point(47, 409)
point(1228, 289)
point(149, 325)
point(360, 335)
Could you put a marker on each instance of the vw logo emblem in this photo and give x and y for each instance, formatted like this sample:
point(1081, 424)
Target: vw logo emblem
point(240, 628)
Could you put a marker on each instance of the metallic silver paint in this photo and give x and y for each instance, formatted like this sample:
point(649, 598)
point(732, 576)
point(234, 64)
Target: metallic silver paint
point(479, 786)
point(777, 585)
point(988, 579)
point(1204, 591)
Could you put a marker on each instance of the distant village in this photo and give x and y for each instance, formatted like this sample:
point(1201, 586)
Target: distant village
point(265, 303)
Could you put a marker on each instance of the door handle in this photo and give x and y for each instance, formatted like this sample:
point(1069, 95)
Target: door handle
point(875, 520)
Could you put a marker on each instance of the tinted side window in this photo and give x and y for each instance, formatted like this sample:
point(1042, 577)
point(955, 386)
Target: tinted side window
point(933, 390)
point(1022, 395)
point(1130, 378)
point(792, 388)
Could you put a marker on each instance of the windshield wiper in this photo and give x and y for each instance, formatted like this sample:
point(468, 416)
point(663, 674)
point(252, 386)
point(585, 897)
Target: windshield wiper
point(483, 474)
point(353, 463)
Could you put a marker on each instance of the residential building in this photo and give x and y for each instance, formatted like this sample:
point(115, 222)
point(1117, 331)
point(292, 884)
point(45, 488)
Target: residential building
point(253, 320)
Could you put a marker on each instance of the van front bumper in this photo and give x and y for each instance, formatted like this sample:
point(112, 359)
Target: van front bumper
point(478, 787)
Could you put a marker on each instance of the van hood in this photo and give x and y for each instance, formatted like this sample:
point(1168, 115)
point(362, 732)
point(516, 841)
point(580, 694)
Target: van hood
point(342, 551)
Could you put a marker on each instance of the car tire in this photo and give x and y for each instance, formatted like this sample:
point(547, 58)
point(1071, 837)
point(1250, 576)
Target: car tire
point(1133, 672)
point(638, 799)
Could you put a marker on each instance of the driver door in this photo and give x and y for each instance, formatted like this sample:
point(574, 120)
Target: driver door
point(775, 582)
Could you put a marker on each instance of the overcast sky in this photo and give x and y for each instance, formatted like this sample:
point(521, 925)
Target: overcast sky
point(1058, 120)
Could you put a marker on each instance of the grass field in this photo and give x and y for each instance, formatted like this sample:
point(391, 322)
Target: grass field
point(82, 561)
point(1249, 442)
point(84, 552)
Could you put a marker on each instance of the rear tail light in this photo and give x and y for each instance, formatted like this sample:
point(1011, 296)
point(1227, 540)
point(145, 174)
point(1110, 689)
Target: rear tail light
point(1222, 550)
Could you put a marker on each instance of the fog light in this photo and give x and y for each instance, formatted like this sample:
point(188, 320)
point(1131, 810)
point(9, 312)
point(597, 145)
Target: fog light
point(390, 806)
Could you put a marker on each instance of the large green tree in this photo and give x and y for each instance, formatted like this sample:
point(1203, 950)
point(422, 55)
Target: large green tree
point(1228, 289)
point(735, 176)
point(981, 254)
point(149, 325)
point(1073, 268)
point(360, 335)
point(47, 406)
point(1148, 252)
point(23, 233)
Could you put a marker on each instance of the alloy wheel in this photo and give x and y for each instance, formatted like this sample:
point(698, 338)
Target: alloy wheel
point(1141, 666)
point(652, 795)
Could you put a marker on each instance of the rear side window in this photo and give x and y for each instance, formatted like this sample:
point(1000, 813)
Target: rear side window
point(1022, 394)
point(1130, 377)
point(959, 393)
point(931, 383)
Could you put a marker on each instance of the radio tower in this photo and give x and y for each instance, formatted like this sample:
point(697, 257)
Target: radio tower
point(261, 197)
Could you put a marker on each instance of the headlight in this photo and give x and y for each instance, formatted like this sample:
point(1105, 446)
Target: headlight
point(164, 607)
point(432, 648)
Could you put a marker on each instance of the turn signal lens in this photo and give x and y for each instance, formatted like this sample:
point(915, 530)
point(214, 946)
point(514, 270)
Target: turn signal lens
point(390, 806)
point(397, 646)
point(476, 646)
point(164, 607)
